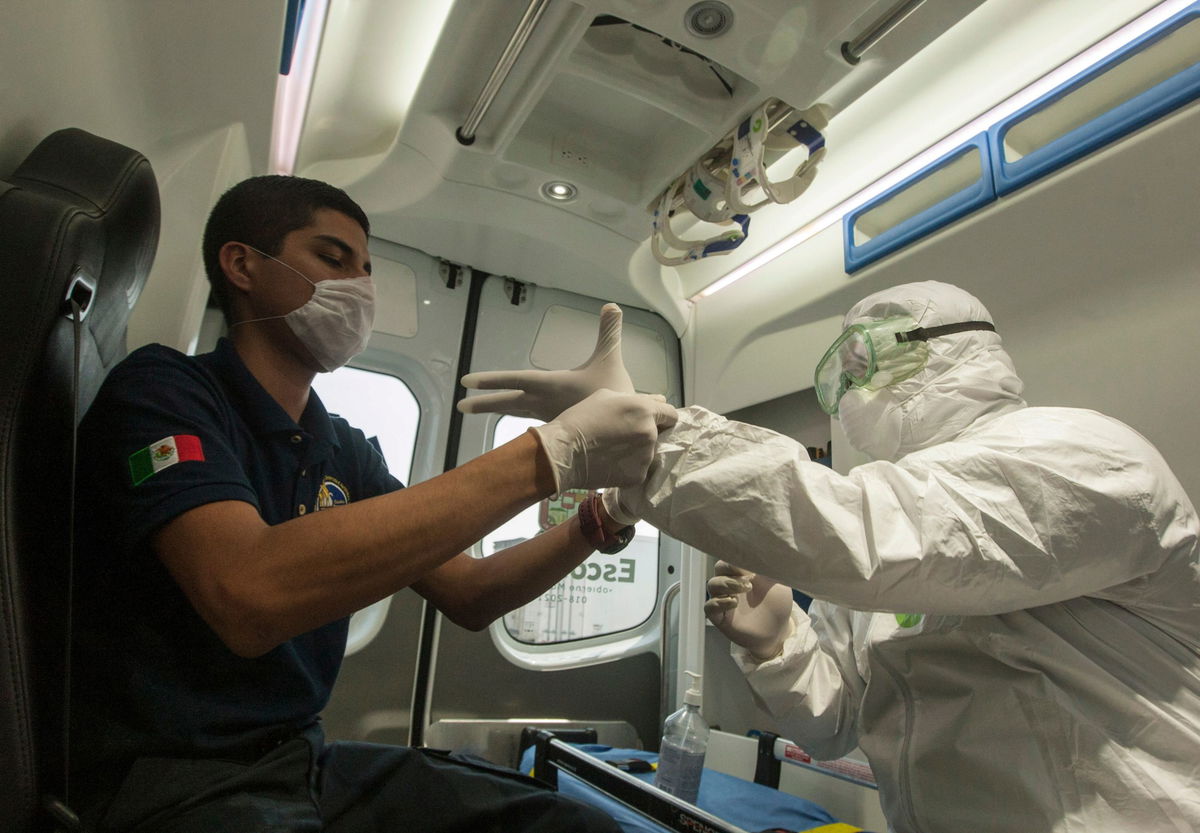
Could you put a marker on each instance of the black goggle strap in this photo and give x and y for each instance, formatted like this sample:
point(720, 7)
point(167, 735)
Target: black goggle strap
point(926, 333)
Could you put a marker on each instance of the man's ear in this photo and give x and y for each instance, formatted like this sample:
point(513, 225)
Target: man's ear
point(234, 260)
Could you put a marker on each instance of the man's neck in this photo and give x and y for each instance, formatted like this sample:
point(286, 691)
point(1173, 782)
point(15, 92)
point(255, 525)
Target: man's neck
point(284, 376)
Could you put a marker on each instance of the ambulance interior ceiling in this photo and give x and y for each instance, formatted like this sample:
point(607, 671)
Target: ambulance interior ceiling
point(618, 110)
point(612, 108)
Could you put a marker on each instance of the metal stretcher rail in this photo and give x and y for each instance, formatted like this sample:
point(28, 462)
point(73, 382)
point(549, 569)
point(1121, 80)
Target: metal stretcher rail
point(552, 754)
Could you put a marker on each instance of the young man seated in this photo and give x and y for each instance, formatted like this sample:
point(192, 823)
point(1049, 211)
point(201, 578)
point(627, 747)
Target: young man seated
point(215, 588)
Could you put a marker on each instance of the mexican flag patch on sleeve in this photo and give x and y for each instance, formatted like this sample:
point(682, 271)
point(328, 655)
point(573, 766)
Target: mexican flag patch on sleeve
point(165, 453)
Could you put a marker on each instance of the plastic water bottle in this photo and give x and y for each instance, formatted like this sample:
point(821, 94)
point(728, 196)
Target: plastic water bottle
point(684, 741)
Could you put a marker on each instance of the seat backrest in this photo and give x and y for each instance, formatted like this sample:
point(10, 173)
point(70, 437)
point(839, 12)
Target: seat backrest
point(79, 210)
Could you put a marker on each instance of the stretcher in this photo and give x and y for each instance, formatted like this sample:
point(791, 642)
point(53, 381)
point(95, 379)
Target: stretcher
point(620, 781)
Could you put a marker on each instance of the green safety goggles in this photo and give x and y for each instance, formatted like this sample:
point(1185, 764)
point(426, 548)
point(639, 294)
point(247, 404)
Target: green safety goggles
point(877, 354)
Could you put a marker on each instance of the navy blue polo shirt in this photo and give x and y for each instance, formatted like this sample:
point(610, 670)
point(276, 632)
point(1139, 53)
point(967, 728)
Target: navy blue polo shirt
point(167, 433)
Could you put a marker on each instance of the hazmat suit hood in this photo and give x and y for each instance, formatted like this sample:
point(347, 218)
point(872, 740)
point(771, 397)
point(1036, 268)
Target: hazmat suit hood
point(969, 377)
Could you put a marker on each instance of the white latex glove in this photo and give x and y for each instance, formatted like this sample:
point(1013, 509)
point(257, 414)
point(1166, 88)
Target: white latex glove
point(605, 440)
point(611, 498)
point(750, 609)
point(544, 394)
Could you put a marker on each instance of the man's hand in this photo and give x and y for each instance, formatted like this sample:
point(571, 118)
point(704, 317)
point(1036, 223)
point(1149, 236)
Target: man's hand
point(544, 394)
point(605, 440)
point(751, 610)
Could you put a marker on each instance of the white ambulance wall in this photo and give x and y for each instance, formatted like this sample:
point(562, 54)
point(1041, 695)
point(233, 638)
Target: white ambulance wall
point(190, 85)
point(1091, 275)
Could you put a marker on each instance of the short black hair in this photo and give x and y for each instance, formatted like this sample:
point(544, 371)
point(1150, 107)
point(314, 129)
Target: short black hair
point(263, 210)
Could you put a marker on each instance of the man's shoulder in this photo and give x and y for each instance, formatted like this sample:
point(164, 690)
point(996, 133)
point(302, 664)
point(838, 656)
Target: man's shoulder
point(156, 365)
point(153, 355)
point(158, 374)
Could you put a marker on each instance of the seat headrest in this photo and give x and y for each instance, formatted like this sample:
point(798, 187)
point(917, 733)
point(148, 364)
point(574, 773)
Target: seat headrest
point(115, 186)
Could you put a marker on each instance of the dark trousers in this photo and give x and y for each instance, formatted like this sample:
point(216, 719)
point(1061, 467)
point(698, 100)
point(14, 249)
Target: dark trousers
point(305, 785)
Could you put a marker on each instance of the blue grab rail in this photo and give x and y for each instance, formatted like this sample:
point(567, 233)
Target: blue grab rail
point(1147, 106)
point(981, 192)
point(1000, 176)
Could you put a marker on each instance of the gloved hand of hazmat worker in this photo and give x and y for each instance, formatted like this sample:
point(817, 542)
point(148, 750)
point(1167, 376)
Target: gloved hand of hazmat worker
point(616, 510)
point(750, 609)
point(605, 440)
point(544, 394)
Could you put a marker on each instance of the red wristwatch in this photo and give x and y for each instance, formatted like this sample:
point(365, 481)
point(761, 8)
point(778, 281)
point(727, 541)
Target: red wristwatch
point(593, 530)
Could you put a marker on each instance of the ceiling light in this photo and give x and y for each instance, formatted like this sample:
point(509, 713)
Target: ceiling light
point(708, 19)
point(292, 91)
point(559, 191)
point(1089, 57)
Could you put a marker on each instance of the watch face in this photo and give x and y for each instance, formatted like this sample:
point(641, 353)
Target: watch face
point(623, 537)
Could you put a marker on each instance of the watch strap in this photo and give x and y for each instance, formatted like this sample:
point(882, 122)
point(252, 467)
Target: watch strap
point(593, 529)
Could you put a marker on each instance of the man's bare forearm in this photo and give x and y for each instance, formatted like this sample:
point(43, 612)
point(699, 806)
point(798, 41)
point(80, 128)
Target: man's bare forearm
point(472, 592)
point(259, 585)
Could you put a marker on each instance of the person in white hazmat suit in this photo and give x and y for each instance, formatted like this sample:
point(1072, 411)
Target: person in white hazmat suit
point(1007, 614)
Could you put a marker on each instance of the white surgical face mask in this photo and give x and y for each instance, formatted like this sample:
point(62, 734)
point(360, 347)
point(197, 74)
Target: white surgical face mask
point(335, 323)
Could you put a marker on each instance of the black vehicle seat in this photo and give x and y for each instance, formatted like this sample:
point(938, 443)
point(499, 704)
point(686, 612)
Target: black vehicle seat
point(79, 216)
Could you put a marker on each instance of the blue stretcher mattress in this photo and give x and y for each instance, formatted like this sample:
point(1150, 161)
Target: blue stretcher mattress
point(742, 803)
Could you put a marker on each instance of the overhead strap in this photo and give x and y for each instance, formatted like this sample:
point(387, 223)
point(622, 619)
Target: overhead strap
point(691, 250)
point(704, 193)
point(754, 136)
point(801, 129)
point(746, 161)
point(730, 182)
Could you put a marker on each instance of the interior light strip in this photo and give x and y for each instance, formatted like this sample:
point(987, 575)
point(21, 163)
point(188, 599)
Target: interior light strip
point(1090, 56)
point(292, 90)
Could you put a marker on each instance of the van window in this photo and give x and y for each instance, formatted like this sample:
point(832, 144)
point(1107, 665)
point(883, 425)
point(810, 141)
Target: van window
point(603, 595)
point(379, 404)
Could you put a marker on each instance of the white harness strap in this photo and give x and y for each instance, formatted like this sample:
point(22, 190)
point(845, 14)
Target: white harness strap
point(747, 161)
point(802, 129)
point(722, 192)
point(704, 194)
point(753, 137)
point(722, 243)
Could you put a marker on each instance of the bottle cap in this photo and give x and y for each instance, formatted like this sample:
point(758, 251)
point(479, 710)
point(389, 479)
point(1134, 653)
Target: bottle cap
point(693, 696)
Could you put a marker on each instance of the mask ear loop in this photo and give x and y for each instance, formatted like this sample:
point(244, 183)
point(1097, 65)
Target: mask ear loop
point(281, 263)
point(256, 320)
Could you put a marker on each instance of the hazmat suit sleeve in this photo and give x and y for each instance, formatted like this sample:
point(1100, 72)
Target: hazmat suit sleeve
point(1019, 512)
point(813, 686)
